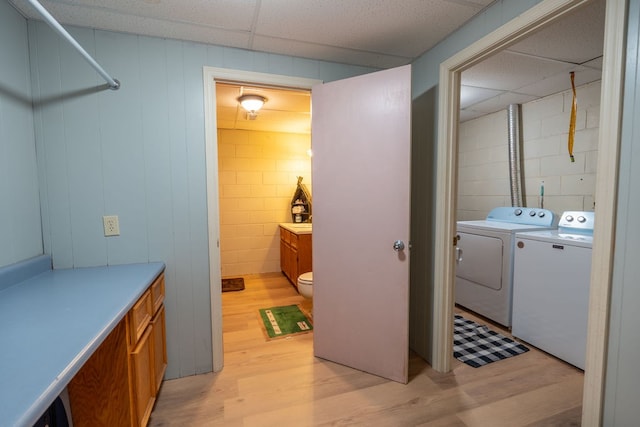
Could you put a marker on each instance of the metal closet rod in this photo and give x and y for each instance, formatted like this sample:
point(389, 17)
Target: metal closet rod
point(113, 83)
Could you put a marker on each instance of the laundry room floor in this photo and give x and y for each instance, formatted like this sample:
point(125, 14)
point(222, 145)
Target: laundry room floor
point(281, 383)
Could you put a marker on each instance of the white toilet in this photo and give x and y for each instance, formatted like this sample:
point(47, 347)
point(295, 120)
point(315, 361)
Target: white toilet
point(305, 285)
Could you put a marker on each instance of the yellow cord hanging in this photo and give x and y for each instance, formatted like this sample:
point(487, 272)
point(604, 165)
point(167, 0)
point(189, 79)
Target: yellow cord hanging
point(572, 123)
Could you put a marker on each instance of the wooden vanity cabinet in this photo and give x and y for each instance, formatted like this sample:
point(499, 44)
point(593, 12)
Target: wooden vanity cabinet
point(295, 254)
point(118, 385)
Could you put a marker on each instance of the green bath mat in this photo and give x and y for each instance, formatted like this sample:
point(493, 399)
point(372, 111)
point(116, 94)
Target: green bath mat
point(285, 320)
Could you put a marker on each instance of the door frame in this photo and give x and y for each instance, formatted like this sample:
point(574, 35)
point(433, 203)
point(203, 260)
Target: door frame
point(606, 186)
point(210, 76)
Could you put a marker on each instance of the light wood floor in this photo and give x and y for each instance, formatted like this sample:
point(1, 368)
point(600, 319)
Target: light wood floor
point(281, 383)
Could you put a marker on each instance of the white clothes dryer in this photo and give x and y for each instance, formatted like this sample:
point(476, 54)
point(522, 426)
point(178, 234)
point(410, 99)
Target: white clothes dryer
point(552, 271)
point(484, 259)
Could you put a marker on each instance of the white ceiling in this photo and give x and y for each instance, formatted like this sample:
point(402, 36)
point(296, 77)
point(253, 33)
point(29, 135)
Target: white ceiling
point(539, 65)
point(376, 33)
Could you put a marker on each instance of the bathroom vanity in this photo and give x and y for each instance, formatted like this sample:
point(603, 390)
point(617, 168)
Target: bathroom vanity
point(295, 250)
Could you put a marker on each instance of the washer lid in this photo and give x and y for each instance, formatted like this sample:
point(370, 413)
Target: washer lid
point(559, 237)
point(497, 226)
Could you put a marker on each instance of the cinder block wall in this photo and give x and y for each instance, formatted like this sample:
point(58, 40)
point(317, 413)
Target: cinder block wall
point(483, 174)
point(258, 174)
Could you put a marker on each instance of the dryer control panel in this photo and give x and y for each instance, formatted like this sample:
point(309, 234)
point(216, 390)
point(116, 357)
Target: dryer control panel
point(577, 222)
point(522, 215)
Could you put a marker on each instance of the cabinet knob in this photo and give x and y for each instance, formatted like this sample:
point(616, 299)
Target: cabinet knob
point(398, 245)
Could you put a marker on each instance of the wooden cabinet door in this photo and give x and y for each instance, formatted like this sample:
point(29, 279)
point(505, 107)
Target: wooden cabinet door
point(159, 348)
point(304, 254)
point(143, 379)
point(99, 392)
point(284, 257)
point(293, 266)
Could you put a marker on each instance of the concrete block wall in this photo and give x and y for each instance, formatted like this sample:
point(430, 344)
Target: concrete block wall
point(483, 173)
point(257, 178)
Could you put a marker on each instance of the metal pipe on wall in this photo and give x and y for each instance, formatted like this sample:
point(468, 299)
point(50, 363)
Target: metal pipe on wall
point(55, 25)
point(515, 171)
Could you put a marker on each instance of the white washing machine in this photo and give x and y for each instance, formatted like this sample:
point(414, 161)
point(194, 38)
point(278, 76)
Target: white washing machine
point(552, 271)
point(484, 259)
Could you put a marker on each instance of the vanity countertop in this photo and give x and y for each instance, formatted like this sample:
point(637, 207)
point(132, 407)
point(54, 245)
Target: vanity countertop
point(298, 227)
point(51, 323)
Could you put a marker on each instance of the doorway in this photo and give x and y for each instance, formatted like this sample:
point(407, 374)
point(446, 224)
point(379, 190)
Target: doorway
point(450, 71)
point(211, 76)
point(261, 155)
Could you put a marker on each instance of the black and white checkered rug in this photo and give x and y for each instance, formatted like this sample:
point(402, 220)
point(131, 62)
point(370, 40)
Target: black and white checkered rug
point(477, 345)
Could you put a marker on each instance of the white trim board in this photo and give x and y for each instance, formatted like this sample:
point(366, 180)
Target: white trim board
point(210, 75)
point(446, 186)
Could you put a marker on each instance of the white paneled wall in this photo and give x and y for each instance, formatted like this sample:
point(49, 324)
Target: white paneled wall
point(258, 176)
point(484, 168)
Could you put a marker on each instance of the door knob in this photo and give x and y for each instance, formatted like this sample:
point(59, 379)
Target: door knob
point(398, 245)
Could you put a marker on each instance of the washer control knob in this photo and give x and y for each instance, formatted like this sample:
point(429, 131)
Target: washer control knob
point(518, 212)
point(582, 219)
point(569, 218)
point(532, 213)
point(541, 214)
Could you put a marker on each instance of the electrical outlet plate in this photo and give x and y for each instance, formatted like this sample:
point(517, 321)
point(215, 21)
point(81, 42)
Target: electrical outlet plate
point(111, 225)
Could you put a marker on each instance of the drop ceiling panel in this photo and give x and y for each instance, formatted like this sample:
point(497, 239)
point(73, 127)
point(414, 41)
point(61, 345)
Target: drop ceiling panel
point(221, 14)
point(501, 101)
point(470, 95)
point(328, 53)
point(106, 19)
point(576, 38)
point(508, 71)
point(371, 26)
point(561, 82)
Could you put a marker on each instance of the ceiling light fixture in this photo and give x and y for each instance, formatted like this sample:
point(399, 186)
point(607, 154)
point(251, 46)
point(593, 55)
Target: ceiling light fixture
point(252, 103)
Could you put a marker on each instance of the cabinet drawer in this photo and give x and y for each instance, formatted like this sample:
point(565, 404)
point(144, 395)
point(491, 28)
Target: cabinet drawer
point(157, 293)
point(294, 240)
point(139, 317)
point(285, 235)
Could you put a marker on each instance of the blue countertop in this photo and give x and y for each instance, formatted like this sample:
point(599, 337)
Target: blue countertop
point(51, 323)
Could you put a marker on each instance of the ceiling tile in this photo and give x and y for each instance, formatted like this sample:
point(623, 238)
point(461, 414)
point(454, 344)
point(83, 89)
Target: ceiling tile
point(470, 95)
point(577, 38)
point(220, 14)
point(327, 53)
point(367, 25)
point(502, 101)
point(561, 82)
point(508, 71)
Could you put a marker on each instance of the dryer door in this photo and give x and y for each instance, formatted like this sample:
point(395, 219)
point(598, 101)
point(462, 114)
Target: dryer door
point(479, 259)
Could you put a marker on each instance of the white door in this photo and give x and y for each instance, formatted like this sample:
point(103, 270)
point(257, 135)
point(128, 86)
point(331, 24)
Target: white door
point(361, 129)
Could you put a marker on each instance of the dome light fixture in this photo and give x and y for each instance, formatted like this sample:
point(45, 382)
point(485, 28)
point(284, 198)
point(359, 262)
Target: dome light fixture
point(252, 103)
